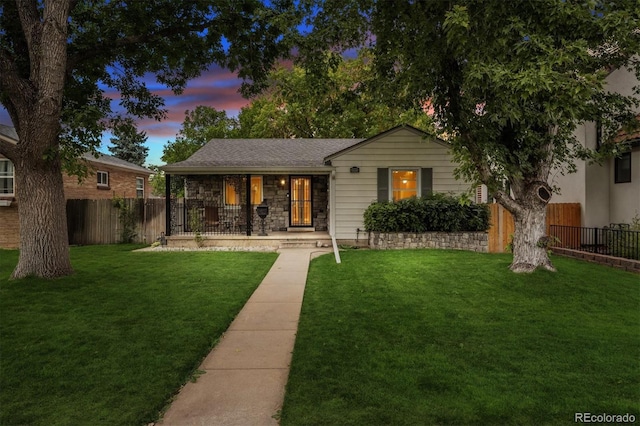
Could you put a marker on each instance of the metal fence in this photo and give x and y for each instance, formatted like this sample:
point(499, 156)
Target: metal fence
point(190, 216)
point(617, 240)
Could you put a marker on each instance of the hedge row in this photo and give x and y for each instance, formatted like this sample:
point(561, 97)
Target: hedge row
point(438, 212)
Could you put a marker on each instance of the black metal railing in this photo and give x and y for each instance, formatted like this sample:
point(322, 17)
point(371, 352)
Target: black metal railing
point(190, 216)
point(616, 240)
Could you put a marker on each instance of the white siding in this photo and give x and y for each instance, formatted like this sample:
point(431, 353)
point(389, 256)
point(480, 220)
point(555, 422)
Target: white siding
point(602, 201)
point(399, 149)
point(624, 198)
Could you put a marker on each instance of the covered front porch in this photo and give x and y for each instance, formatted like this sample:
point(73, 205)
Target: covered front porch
point(222, 208)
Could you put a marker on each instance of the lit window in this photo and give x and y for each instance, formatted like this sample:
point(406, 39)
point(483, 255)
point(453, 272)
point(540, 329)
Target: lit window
point(232, 196)
point(103, 178)
point(404, 184)
point(623, 168)
point(140, 187)
point(6, 177)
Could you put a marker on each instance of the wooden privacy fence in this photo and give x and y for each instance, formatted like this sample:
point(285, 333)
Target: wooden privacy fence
point(98, 221)
point(502, 225)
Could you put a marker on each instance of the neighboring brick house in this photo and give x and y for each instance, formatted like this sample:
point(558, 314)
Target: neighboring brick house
point(109, 177)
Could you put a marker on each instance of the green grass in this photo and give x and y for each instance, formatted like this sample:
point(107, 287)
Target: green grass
point(111, 344)
point(449, 337)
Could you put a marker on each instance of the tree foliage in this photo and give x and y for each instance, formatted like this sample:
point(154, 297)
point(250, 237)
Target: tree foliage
point(199, 127)
point(508, 81)
point(297, 103)
point(128, 144)
point(61, 59)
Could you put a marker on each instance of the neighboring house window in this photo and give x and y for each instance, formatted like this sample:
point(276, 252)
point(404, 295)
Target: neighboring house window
point(6, 177)
point(232, 196)
point(140, 187)
point(103, 178)
point(623, 168)
point(404, 184)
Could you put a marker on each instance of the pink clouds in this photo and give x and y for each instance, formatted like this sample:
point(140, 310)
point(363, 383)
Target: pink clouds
point(216, 87)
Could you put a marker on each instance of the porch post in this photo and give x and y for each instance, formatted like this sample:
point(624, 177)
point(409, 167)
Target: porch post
point(167, 204)
point(249, 211)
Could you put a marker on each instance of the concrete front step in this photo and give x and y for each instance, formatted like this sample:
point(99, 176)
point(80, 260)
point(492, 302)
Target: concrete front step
point(274, 240)
point(304, 244)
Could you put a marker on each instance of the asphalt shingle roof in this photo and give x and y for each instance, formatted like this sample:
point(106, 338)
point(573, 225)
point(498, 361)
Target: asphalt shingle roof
point(114, 161)
point(265, 152)
point(9, 132)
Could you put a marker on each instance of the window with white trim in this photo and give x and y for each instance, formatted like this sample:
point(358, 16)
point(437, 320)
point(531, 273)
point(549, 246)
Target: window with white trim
point(140, 187)
point(103, 178)
point(7, 178)
point(404, 184)
point(232, 194)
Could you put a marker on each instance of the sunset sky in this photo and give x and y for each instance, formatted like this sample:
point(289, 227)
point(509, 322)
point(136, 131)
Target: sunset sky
point(217, 88)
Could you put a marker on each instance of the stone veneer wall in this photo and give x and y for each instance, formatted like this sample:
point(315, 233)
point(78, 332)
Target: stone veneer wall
point(320, 196)
point(210, 188)
point(473, 241)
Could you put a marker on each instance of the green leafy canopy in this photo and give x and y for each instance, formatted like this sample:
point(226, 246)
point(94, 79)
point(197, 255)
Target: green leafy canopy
point(508, 81)
point(116, 47)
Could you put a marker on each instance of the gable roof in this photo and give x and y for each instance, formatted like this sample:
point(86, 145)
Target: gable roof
point(392, 130)
point(112, 161)
point(264, 155)
point(9, 133)
point(261, 154)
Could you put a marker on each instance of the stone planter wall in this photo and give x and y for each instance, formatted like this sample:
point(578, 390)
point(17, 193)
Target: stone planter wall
point(472, 241)
point(615, 262)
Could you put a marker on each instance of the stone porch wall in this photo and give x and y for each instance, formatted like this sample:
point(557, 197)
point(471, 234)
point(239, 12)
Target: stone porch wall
point(210, 188)
point(473, 241)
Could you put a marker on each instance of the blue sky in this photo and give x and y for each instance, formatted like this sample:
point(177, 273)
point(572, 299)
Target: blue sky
point(217, 88)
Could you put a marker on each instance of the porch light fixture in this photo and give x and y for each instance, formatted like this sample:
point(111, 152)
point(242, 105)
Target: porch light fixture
point(282, 182)
point(354, 169)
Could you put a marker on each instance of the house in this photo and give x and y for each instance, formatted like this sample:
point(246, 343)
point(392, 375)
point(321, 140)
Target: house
point(308, 184)
point(609, 193)
point(109, 176)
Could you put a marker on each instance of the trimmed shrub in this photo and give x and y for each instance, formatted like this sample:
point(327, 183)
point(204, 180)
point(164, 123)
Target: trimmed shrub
point(435, 213)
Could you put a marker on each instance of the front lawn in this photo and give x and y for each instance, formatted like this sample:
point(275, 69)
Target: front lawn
point(111, 344)
point(449, 337)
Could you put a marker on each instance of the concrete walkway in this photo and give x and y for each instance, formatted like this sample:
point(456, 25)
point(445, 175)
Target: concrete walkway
point(246, 373)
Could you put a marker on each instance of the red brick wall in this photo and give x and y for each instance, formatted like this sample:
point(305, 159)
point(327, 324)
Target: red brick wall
point(9, 227)
point(121, 183)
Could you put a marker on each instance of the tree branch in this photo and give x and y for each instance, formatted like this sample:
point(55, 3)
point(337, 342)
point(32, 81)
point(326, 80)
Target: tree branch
point(18, 90)
point(488, 178)
point(9, 150)
point(507, 202)
point(32, 30)
point(107, 46)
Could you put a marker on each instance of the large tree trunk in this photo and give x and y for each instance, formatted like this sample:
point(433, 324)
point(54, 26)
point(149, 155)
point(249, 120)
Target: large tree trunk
point(35, 106)
point(530, 239)
point(44, 244)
